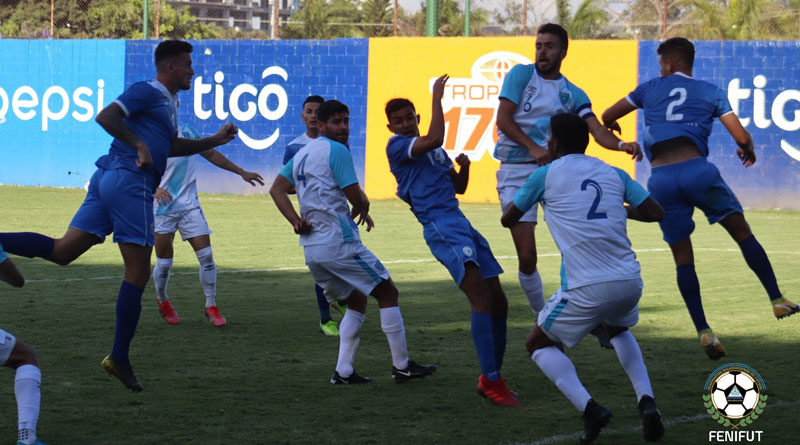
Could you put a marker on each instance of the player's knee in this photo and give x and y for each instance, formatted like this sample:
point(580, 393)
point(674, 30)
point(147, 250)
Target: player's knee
point(527, 262)
point(613, 331)
point(23, 354)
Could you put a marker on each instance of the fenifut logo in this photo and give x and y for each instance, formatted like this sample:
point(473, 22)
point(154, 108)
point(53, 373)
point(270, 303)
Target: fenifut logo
point(734, 395)
point(470, 104)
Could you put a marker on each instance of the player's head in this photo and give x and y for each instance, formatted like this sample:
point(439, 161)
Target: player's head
point(309, 114)
point(333, 120)
point(569, 133)
point(174, 64)
point(552, 41)
point(402, 117)
point(675, 54)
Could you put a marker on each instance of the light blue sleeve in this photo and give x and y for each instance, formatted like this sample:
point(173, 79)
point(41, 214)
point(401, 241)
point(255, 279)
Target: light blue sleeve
point(287, 170)
point(583, 106)
point(635, 194)
point(722, 105)
point(341, 163)
point(515, 82)
point(533, 189)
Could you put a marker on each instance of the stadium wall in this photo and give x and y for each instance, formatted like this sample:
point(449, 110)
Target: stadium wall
point(50, 91)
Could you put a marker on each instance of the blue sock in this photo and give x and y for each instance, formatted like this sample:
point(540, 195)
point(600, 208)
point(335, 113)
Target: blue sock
point(484, 344)
point(129, 306)
point(690, 290)
point(322, 302)
point(27, 244)
point(756, 258)
point(499, 335)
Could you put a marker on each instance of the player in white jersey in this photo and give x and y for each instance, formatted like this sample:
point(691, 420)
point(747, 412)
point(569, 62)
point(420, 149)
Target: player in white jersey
point(583, 200)
point(17, 355)
point(176, 207)
point(324, 177)
point(530, 95)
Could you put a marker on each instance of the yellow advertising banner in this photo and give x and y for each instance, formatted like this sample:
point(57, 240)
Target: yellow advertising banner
point(406, 67)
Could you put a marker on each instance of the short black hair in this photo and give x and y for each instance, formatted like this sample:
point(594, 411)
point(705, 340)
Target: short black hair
point(329, 108)
point(570, 131)
point(313, 99)
point(397, 104)
point(171, 48)
point(677, 49)
point(558, 31)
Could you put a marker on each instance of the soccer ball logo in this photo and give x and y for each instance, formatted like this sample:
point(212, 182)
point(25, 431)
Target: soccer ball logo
point(735, 392)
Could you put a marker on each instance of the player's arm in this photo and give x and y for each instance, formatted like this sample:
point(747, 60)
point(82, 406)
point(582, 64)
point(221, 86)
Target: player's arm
point(461, 179)
point(359, 205)
point(511, 215)
point(606, 139)
point(10, 274)
point(218, 159)
point(531, 192)
point(280, 195)
point(509, 127)
point(742, 137)
point(435, 137)
point(648, 211)
point(186, 147)
point(615, 113)
point(111, 119)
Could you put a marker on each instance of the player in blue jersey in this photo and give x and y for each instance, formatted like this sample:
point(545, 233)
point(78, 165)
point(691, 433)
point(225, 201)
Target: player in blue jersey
point(143, 122)
point(678, 115)
point(177, 207)
point(22, 358)
point(324, 177)
point(530, 95)
point(584, 203)
point(309, 117)
point(428, 182)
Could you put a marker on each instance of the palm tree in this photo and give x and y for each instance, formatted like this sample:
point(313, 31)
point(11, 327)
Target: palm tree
point(590, 20)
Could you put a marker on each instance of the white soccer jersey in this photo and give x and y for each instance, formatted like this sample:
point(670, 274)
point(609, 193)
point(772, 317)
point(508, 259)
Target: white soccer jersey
point(583, 200)
point(319, 172)
point(180, 178)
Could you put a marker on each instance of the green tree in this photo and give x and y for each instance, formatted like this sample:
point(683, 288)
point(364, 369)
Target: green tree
point(590, 21)
point(319, 19)
point(375, 13)
point(451, 19)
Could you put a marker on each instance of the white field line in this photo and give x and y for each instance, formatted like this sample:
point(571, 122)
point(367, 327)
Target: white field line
point(670, 422)
point(400, 261)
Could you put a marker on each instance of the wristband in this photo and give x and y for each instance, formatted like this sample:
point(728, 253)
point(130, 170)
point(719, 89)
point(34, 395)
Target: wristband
point(619, 144)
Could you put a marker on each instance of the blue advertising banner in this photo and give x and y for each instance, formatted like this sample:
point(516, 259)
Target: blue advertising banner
point(762, 80)
point(50, 92)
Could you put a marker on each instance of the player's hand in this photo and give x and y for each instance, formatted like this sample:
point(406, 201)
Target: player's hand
point(226, 133)
point(366, 219)
point(361, 215)
point(463, 160)
point(748, 157)
point(438, 87)
point(633, 149)
point(145, 159)
point(252, 178)
point(613, 126)
point(162, 196)
point(540, 155)
point(302, 227)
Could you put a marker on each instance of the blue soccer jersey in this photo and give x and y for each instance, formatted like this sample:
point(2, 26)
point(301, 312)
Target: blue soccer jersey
point(423, 181)
point(678, 105)
point(537, 99)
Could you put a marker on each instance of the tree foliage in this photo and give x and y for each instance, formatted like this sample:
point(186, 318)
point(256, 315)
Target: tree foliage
point(590, 20)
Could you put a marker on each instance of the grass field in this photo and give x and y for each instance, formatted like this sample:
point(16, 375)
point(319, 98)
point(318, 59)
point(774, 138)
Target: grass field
point(264, 377)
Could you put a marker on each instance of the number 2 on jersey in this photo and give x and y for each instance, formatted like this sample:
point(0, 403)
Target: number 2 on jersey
point(301, 170)
point(671, 115)
point(593, 213)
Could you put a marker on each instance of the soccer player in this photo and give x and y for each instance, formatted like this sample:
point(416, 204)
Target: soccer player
point(143, 122)
point(428, 182)
point(678, 114)
point(324, 176)
point(176, 207)
point(17, 355)
point(530, 95)
point(309, 117)
point(601, 281)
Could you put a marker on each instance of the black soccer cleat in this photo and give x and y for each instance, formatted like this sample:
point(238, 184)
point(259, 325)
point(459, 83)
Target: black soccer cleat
point(595, 417)
point(124, 372)
point(651, 419)
point(352, 379)
point(412, 371)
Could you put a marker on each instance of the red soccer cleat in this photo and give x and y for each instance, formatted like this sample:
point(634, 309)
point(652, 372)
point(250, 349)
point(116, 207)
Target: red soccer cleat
point(167, 312)
point(497, 392)
point(212, 313)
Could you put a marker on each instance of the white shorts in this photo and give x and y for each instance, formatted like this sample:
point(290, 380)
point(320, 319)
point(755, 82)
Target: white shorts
point(7, 343)
point(190, 222)
point(342, 268)
point(510, 178)
point(569, 315)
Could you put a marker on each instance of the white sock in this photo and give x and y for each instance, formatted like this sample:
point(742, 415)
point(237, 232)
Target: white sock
point(26, 388)
point(532, 286)
point(630, 356)
point(392, 325)
point(560, 370)
point(161, 277)
point(208, 274)
point(349, 329)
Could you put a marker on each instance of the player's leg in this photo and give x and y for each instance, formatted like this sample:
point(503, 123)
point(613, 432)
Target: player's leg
point(208, 277)
point(499, 311)
point(27, 381)
point(61, 251)
point(349, 335)
point(161, 272)
point(326, 323)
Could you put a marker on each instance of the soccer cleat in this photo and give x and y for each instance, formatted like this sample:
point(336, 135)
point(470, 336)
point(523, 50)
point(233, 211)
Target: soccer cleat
point(497, 392)
point(412, 371)
point(595, 417)
point(711, 345)
point(600, 332)
point(782, 307)
point(352, 379)
point(651, 419)
point(212, 313)
point(37, 442)
point(329, 328)
point(167, 312)
point(123, 372)
point(339, 307)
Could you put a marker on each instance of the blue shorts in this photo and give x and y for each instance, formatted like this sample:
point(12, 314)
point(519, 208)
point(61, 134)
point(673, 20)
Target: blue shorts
point(118, 201)
point(681, 187)
point(454, 242)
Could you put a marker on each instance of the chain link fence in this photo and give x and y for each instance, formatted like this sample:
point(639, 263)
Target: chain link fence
point(325, 19)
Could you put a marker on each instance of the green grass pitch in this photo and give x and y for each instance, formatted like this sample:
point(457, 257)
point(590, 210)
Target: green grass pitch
point(264, 377)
